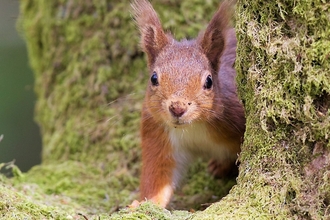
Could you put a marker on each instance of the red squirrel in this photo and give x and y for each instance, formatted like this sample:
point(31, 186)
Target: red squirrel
point(191, 107)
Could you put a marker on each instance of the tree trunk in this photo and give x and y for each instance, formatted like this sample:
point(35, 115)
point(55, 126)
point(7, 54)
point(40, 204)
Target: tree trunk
point(283, 65)
point(90, 80)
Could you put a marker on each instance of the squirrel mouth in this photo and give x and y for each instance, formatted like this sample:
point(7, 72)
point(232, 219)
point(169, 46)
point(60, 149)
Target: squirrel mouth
point(178, 122)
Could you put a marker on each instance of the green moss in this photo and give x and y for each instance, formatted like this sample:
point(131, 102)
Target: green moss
point(282, 81)
point(149, 211)
point(28, 201)
point(85, 183)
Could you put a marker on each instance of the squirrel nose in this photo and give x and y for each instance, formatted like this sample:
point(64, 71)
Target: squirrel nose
point(177, 109)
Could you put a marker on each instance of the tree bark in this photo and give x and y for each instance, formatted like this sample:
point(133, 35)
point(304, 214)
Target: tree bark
point(90, 78)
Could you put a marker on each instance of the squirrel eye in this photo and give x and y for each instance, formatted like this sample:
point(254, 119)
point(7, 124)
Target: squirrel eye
point(208, 82)
point(154, 79)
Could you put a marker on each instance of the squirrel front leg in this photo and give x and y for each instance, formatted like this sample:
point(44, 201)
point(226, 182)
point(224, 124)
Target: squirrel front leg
point(158, 163)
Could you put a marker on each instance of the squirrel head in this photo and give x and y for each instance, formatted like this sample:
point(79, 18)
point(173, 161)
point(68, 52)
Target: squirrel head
point(183, 85)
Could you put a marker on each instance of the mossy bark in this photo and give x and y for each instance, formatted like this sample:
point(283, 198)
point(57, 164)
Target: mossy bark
point(283, 65)
point(90, 80)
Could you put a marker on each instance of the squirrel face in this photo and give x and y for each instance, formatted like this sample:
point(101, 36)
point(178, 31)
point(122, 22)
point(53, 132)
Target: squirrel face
point(182, 85)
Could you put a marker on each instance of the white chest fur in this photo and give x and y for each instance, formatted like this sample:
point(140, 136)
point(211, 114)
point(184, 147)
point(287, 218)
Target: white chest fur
point(194, 141)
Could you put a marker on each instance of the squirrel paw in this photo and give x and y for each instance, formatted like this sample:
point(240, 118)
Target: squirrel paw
point(134, 204)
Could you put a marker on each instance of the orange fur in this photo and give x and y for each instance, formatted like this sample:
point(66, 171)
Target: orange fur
point(191, 106)
point(158, 162)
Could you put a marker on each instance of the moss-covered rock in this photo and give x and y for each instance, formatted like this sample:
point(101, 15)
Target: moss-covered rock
point(90, 79)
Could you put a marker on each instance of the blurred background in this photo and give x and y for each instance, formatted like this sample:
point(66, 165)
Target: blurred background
point(21, 138)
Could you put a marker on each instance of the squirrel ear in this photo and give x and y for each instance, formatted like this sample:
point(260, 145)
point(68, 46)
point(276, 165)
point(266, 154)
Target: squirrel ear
point(153, 37)
point(212, 41)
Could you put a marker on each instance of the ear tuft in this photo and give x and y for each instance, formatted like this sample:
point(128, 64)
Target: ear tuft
point(212, 41)
point(153, 37)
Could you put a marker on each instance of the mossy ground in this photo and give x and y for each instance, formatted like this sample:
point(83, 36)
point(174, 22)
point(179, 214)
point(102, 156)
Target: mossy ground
point(90, 80)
